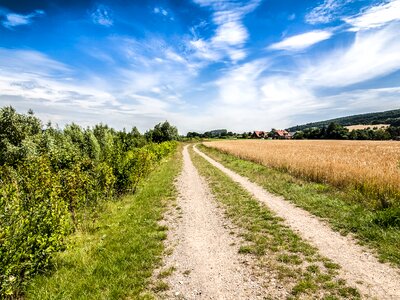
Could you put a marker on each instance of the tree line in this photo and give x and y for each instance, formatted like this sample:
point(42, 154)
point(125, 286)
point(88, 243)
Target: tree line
point(335, 131)
point(51, 177)
point(391, 117)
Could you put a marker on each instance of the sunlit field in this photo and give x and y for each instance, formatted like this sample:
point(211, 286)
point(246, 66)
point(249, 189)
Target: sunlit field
point(372, 167)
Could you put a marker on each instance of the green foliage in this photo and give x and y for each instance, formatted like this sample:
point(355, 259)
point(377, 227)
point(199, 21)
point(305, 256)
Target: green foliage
point(116, 257)
point(162, 132)
point(335, 131)
point(16, 134)
point(34, 220)
point(48, 176)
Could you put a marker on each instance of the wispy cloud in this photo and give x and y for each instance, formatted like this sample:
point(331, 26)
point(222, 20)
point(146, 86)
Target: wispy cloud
point(302, 41)
point(12, 20)
point(372, 54)
point(375, 16)
point(145, 87)
point(230, 34)
point(102, 15)
point(326, 12)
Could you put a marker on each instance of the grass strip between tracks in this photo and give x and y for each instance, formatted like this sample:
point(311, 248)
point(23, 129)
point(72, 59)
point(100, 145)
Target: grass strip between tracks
point(282, 256)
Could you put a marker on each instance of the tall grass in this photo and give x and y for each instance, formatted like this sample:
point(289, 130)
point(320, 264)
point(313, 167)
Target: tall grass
point(371, 167)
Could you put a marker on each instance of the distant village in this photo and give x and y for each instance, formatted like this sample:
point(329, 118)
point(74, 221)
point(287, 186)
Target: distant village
point(280, 134)
point(275, 134)
point(332, 131)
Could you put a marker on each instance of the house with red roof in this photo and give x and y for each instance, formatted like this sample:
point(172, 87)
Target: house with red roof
point(258, 134)
point(281, 134)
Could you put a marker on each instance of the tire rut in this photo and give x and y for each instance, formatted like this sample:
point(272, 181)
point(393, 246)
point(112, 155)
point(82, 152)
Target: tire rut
point(205, 256)
point(358, 266)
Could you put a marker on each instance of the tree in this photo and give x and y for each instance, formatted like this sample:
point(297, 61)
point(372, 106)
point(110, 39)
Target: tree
point(162, 132)
point(193, 135)
point(394, 132)
point(299, 135)
point(335, 132)
point(16, 133)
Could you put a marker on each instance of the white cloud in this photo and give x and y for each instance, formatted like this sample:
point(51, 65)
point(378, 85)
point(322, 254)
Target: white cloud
point(142, 91)
point(161, 11)
point(364, 100)
point(239, 86)
point(172, 55)
point(230, 35)
point(26, 61)
point(13, 19)
point(326, 12)
point(372, 54)
point(102, 15)
point(375, 16)
point(204, 50)
point(302, 41)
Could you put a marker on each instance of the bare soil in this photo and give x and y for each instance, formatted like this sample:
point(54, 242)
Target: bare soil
point(359, 267)
point(205, 252)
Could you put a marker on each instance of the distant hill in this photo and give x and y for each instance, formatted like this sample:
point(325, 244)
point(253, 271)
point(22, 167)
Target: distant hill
point(391, 117)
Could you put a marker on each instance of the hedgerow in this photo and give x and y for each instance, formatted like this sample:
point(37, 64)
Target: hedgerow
point(49, 176)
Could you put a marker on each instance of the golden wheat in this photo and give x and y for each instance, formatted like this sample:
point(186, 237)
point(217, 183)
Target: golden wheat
point(371, 166)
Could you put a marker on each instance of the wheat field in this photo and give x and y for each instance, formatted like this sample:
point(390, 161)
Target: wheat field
point(373, 167)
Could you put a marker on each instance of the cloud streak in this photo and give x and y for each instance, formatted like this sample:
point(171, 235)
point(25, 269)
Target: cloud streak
point(376, 16)
point(372, 54)
point(302, 41)
point(12, 20)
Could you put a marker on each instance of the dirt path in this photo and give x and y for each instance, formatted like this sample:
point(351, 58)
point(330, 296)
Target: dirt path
point(205, 255)
point(378, 280)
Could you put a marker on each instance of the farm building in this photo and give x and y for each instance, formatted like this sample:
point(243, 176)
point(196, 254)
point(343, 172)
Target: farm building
point(281, 134)
point(259, 134)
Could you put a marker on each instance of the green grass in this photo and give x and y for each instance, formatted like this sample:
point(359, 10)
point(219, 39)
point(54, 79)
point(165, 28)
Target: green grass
point(343, 209)
point(280, 252)
point(114, 258)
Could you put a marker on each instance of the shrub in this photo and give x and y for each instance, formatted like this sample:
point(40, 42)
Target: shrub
point(47, 177)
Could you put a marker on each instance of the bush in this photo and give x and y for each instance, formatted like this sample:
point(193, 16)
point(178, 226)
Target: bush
point(47, 177)
point(34, 221)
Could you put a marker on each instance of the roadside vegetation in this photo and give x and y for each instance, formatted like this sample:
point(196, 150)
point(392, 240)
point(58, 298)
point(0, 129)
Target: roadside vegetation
point(288, 260)
point(113, 257)
point(52, 181)
point(374, 222)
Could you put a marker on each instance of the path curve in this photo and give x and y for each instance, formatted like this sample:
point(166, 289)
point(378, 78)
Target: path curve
point(205, 255)
point(358, 265)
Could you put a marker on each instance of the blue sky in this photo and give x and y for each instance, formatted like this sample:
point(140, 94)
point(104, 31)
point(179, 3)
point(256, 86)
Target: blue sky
point(201, 64)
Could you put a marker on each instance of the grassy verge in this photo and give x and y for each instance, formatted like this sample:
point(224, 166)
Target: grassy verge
point(281, 253)
point(341, 208)
point(114, 258)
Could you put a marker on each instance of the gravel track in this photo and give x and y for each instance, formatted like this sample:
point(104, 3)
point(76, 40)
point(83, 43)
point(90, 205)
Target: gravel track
point(358, 266)
point(205, 256)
